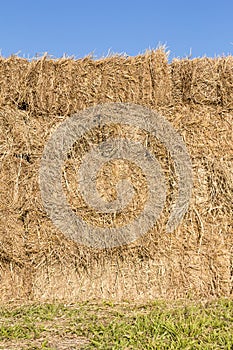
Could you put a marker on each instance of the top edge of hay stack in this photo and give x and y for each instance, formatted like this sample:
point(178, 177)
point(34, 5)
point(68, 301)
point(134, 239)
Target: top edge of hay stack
point(62, 86)
point(196, 96)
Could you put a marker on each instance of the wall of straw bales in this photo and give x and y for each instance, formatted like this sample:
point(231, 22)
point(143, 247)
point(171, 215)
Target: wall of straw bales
point(36, 260)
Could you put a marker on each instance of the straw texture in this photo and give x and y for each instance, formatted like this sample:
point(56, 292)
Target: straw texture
point(37, 261)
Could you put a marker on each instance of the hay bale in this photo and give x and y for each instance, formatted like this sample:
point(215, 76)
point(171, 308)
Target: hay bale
point(204, 81)
point(39, 262)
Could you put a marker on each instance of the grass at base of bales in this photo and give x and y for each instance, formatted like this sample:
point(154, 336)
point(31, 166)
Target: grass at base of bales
point(107, 325)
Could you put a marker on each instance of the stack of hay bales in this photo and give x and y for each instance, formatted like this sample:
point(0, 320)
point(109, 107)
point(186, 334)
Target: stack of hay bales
point(36, 260)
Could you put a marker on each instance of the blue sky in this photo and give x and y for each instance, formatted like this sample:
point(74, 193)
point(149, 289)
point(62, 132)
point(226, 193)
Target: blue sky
point(78, 28)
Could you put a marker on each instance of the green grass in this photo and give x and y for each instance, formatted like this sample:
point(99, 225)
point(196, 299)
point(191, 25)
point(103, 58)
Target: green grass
point(156, 325)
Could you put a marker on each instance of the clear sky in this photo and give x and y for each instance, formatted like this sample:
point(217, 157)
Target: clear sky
point(78, 28)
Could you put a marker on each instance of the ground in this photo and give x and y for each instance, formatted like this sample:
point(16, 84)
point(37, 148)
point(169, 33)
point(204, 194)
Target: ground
point(126, 325)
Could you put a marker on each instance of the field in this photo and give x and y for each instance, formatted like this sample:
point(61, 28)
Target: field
point(108, 325)
point(165, 290)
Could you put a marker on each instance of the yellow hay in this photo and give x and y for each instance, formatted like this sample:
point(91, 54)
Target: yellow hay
point(36, 260)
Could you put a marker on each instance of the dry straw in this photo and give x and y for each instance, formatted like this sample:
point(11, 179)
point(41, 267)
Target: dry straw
point(39, 262)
